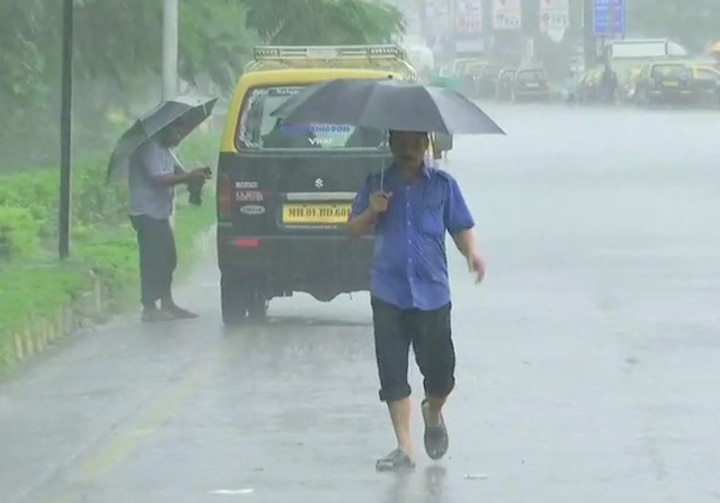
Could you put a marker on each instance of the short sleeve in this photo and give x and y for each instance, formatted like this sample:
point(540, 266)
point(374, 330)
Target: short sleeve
point(362, 199)
point(156, 160)
point(457, 214)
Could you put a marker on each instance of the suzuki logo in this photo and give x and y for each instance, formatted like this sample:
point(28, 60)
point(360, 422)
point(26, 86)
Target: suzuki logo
point(319, 183)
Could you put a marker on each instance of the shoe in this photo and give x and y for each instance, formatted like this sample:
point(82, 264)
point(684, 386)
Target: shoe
point(397, 460)
point(436, 437)
point(179, 313)
point(155, 316)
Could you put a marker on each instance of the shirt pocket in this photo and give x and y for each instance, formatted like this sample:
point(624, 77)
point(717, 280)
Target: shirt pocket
point(431, 219)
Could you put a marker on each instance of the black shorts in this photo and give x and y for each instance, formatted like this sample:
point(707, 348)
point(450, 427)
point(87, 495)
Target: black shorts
point(430, 334)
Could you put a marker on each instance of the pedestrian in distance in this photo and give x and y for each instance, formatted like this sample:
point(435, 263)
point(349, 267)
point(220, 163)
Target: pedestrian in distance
point(410, 207)
point(154, 172)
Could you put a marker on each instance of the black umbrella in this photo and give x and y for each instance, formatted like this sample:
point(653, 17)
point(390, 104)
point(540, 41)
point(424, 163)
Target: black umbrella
point(186, 112)
point(387, 104)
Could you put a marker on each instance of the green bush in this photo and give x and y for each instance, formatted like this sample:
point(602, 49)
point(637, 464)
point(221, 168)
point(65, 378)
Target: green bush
point(34, 286)
point(19, 233)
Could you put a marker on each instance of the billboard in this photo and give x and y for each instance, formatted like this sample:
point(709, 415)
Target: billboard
point(469, 17)
point(554, 18)
point(507, 14)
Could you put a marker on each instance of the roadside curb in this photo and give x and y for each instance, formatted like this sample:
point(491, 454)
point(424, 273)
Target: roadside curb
point(87, 311)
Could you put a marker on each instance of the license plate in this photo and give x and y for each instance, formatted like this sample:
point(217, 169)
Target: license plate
point(328, 214)
point(671, 83)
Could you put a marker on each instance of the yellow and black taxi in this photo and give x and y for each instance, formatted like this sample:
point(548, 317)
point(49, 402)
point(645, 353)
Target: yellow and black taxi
point(285, 192)
point(628, 87)
point(705, 83)
point(664, 82)
point(530, 84)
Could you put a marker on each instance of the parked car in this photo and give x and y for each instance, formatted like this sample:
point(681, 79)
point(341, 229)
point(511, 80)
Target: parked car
point(530, 84)
point(705, 84)
point(664, 83)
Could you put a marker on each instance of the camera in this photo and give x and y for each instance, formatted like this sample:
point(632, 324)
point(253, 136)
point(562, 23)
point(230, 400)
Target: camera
point(195, 189)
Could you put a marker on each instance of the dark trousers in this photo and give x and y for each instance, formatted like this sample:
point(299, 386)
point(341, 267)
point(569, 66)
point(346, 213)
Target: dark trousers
point(429, 333)
point(158, 258)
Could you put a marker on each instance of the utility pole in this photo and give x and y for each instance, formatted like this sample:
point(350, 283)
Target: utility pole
point(64, 212)
point(170, 49)
point(589, 42)
point(170, 42)
point(452, 14)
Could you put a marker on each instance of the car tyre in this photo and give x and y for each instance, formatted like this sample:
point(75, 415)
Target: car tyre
point(257, 307)
point(233, 301)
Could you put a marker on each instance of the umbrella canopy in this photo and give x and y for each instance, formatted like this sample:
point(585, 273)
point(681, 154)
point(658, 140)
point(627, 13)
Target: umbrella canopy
point(185, 112)
point(387, 104)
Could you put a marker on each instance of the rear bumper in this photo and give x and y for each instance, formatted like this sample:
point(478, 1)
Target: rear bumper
point(672, 94)
point(532, 94)
point(323, 266)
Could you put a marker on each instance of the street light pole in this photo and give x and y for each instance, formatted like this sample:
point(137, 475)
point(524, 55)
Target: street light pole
point(589, 40)
point(170, 59)
point(66, 132)
point(453, 19)
point(170, 49)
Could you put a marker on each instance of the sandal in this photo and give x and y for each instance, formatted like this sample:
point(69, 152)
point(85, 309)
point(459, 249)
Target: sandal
point(436, 437)
point(395, 461)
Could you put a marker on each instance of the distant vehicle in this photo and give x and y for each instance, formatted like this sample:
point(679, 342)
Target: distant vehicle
point(589, 88)
point(486, 82)
point(530, 84)
point(666, 83)
point(505, 82)
point(705, 83)
point(623, 55)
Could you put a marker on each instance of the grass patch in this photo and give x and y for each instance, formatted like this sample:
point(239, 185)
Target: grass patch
point(35, 287)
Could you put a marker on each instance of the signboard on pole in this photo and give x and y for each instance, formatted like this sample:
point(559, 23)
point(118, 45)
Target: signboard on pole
point(507, 14)
point(608, 17)
point(554, 14)
point(554, 18)
point(469, 17)
point(437, 17)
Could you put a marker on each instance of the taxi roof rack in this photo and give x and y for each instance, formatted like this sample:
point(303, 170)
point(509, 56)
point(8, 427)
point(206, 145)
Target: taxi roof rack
point(325, 52)
point(387, 57)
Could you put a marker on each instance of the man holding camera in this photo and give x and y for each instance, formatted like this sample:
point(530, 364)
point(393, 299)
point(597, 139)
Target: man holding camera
point(154, 173)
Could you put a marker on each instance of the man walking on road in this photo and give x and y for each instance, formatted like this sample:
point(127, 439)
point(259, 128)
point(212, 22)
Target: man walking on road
point(154, 173)
point(409, 208)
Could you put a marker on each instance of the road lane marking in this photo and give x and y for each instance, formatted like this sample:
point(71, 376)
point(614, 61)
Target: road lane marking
point(233, 492)
point(126, 439)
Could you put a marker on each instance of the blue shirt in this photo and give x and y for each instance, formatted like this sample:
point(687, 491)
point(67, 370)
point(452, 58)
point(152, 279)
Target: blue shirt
point(409, 261)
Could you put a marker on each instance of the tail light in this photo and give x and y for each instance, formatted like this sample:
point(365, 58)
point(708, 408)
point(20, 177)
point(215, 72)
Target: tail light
point(247, 243)
point(226, 196)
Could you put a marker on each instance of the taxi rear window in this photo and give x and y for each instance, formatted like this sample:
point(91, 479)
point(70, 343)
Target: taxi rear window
point(670, 71)
point(259, 130)
point(530, 75)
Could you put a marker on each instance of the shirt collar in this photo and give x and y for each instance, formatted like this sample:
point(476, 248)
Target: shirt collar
point(425, 170)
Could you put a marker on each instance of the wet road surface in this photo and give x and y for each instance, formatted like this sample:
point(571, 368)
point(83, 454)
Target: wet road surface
point(588, 360)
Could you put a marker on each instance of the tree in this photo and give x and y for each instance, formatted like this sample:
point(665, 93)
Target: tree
point(118, 54)
point(323, 22)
